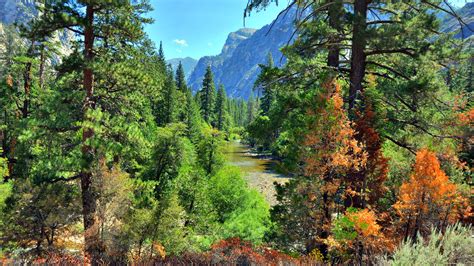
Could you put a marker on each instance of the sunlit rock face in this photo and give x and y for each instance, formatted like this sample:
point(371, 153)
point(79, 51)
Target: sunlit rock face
point(461, 30)
point(17, 11)
point(21, 12)
point(237, 66)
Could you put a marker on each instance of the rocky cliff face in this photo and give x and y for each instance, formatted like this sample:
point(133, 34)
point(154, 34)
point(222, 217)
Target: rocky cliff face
point(187, 62)
point(451, 24)
point(22, 11)
point(17, 11)
point(236, 67)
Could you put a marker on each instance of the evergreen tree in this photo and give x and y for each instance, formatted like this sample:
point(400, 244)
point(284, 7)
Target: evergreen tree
point(169, 110)
point(251, 109)
point(180, 78)
point(268, 94)
point(207, 95)
point(103, 71)
point(220, 108)
point(193, 117)
point(161, 53)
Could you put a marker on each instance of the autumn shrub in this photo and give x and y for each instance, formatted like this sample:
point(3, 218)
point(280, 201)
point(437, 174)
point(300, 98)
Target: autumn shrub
point(428, 198)
point(356, 235)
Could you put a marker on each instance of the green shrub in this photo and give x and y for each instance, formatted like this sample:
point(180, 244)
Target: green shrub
point(243, 212)
point(454, 247)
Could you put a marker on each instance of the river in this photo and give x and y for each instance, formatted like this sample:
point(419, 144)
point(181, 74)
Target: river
point(258, 171)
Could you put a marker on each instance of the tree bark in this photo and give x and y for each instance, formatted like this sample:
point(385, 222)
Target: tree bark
point(358, 56)
point(27, 81)
point(89, 197)
point(42, 66)
point(335, 12)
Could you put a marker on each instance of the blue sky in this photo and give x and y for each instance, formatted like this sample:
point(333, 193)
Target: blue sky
point(197, 28)
point(200, 27)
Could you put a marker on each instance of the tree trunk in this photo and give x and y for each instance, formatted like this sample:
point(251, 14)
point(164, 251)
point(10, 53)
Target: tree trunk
point(89, 197)
point(42, 66)
point(358, 56)
point(335, 13)
point(27, 82)
point(323, 233)
point(407, 229)
point(357, 73)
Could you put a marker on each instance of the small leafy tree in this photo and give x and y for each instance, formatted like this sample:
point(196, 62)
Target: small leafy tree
point(428, 198)
point(332, 153)
point(35, 216)
point(242, 211)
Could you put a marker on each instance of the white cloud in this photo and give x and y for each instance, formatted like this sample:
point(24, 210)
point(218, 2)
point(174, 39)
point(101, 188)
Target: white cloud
point(179, 50)
point(182, 43)
point(209, 44)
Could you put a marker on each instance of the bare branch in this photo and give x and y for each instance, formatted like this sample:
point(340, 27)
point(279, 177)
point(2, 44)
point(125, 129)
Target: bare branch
point(397, 73)
point(407, 51)
point(401, 144)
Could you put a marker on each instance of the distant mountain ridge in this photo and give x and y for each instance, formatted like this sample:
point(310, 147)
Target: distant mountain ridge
point(187, 62)
point(17, 10)
point(451, 24)
point(237, 66)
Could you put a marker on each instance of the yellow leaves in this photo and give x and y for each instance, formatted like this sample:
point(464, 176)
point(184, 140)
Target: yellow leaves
point(332, 243)
point(159, 249)
point(316, 255)
point(9, 80)
point(365, 222)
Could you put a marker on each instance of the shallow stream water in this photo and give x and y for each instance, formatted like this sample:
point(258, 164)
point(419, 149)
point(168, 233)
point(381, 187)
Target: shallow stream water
point(257, 170)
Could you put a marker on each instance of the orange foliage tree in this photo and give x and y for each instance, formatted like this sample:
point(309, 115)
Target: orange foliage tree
point(367, 185)
point(331, 153)
point(428, 198)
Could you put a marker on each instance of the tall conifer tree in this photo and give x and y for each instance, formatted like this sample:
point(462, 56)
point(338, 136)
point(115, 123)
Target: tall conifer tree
point(220, 109)
point(180, 78)
point(207, 95)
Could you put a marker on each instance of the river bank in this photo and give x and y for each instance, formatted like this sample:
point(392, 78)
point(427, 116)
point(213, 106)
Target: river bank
point(258, 170)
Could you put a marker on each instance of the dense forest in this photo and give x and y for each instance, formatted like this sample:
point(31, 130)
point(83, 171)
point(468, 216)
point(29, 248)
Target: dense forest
point(108, 157)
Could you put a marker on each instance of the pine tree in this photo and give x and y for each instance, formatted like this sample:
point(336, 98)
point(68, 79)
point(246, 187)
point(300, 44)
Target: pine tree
point(170, 104)
point(268, 93)
point(180, 78)
point(220, 109)
point(93, 20)
point(193, 117)
point(161, 53)
point(251, 109)
point(207, 95)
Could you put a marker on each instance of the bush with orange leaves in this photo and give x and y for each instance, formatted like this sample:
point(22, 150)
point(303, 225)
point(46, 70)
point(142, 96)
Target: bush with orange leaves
point(232, 251)
point(356, 236)
point(428, 198)
point(236, 251)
